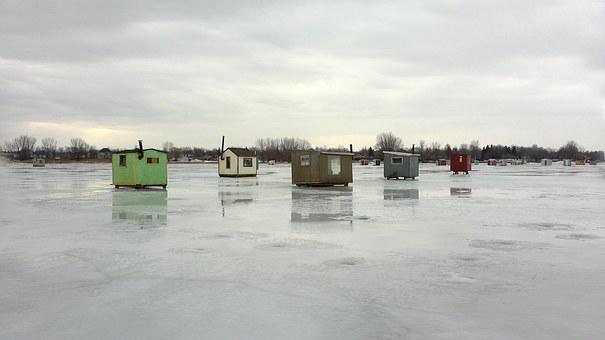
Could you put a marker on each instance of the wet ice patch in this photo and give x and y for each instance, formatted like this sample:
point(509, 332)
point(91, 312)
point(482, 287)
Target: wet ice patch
point(546, 226)
point(472, 260)
point(234, 234)
point(345, 262)
point(194, 250)
point(295, 244)
point(578, 237)
point(506, 245)
point(217, 236)
point(456, 278)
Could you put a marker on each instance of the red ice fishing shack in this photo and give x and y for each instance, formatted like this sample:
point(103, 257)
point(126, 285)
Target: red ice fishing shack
point(460, 162)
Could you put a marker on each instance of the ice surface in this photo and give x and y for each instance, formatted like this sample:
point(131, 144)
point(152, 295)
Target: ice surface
point(505, 252)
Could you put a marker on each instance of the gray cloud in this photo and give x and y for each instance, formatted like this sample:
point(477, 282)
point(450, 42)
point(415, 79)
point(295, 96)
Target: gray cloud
point(334, 72)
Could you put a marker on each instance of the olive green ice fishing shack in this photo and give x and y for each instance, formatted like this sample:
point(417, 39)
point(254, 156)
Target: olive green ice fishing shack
point(139, 168)
point(322, 168)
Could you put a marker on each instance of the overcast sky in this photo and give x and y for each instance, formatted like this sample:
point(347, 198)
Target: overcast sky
point(332, 72)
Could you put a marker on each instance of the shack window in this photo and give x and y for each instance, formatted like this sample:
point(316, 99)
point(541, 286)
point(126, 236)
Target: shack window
point(305, 160)
point(228, 161)
point(247, 162)
point(396, 160)
point(334, 165)
point(153, 160)
point(122, 160)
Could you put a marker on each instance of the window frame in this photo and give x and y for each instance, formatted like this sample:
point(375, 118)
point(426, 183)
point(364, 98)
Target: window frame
point(248, 159)
point(123, 161)
point(331, 163)
point(305, 160)
point(399, 160)
point(153, 160)
point(227, 162)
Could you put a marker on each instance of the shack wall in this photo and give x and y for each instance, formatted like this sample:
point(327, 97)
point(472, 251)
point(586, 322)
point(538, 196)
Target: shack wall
point(246, 171)
point(346, 170)
point(222, 164)
point(152, 173)
point(305, 174)
point(124, 174)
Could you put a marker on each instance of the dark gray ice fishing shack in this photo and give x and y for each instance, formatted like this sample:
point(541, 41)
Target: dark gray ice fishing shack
point(399, 164)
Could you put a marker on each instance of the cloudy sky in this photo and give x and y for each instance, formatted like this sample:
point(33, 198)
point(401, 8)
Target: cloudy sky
point(332, 72)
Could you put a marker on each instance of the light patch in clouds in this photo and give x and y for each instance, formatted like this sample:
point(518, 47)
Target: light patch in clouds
point(333, 73)
point(92, 133)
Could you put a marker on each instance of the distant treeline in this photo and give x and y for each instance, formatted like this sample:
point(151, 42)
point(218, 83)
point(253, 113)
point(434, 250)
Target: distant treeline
point(27, 147)
point(279, 149)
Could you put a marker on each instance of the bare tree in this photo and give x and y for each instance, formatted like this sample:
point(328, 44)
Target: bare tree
point(387, 141)
point(49, 147)
point(475, 149)
point(280, 148)
point(422, 149)
point(22, 146)
point(78, 148)
point(435, 150)
point(171, 150)
point(570, 150)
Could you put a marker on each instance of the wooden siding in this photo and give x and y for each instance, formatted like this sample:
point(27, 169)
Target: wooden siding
point(318, 171)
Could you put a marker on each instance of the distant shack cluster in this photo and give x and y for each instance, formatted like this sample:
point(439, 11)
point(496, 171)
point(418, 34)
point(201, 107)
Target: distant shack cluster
point(141, 168)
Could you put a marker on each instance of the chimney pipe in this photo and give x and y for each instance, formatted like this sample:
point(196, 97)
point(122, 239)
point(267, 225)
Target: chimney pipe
point(413, 145)
point(223, 147)
point(351, 148)
point(140, 149)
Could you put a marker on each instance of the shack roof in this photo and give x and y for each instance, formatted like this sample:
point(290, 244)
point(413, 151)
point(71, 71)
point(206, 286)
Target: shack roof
point(137, 150)
point(401, 153)
point(242, 152)
point(336, 153)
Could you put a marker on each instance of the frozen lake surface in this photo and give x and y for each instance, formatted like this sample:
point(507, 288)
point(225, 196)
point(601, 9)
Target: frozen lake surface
point(506, 252)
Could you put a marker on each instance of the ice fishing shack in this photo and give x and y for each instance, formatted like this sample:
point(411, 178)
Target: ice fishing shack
point(322, 168)
point(39, 162)
point(237, 162)
point(139, 168)
point(460, 162)
point(546, 162)
point(400, 164)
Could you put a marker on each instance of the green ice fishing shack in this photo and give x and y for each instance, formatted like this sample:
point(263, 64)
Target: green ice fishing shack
point(139, 168)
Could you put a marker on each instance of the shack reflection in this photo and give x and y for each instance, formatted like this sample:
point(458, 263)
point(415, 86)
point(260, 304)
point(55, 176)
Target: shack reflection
point(233, 198)
point(461, 192)
point(400, 194)
point(140, 207)
point(322, 209)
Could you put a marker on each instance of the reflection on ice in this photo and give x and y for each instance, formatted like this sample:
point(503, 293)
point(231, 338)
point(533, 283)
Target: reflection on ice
point(400, 194)
point(140, 207)
point(460, 192)
point(235, 197)
point(312, 205)
point(238, 182)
